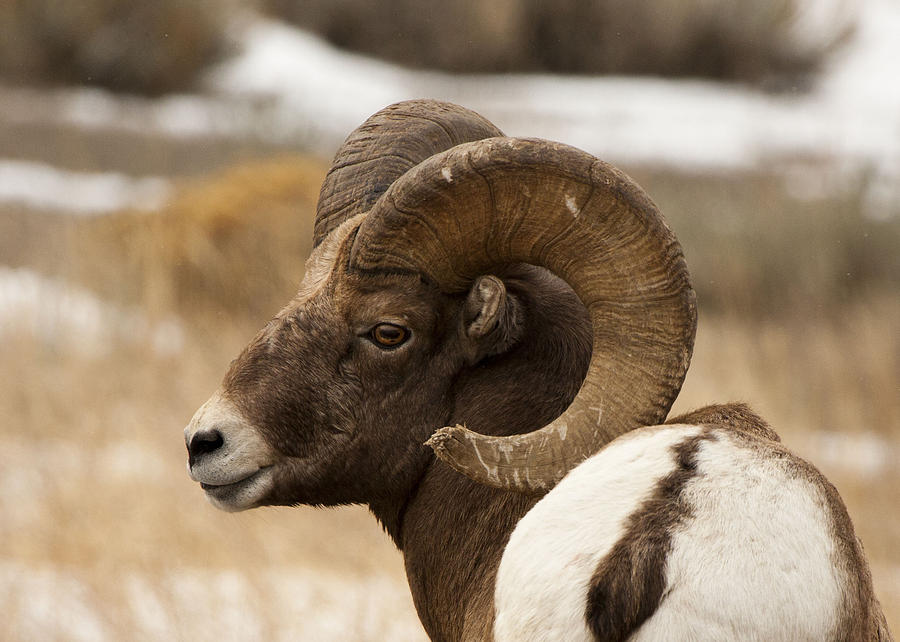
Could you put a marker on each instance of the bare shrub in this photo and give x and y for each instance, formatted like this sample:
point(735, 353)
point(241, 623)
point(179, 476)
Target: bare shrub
point(755, 42)
point(754, 247)
point(141, 47)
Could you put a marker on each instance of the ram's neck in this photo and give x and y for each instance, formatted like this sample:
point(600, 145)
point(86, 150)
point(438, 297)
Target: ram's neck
point(452, 530)
point(452, 553)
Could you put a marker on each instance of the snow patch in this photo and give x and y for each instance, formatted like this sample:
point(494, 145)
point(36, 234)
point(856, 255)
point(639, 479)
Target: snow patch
point(31, 471)
point(864, 455)
point(42, 186)
point(66, 317)
point(182, 116)
point(852, 113)
point(289, 86)
point(41, 600)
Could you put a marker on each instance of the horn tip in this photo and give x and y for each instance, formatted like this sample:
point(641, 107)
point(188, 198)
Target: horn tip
point(441, 437)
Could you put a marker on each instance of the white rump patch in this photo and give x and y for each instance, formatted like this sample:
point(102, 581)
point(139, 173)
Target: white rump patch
point(755, 560)
point(448, 176)
point(759, 550)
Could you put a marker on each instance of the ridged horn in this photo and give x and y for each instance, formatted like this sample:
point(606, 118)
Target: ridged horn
point(498, 201)
point(383, 148)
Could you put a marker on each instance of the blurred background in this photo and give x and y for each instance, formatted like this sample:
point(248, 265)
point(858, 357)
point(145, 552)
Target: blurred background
point(159, 168)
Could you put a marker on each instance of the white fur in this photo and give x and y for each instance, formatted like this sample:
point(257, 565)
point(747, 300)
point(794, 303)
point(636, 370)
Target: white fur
point(553, 552)
point(752, 562)
point(242, 462)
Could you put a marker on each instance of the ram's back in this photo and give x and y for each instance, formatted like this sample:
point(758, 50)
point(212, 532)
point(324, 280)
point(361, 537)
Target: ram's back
point(707, 530)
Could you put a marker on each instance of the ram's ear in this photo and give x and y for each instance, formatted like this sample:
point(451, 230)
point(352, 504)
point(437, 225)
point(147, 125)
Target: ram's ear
point(491, 319)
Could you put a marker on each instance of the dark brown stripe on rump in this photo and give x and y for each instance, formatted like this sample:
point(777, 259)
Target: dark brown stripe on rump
point(628, 584)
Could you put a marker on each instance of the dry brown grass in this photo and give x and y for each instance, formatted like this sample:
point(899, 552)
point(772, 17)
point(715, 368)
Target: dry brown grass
point(97, 503)
point(98, 443)
point(756, 249)
point(93, 447)
point(234, 242)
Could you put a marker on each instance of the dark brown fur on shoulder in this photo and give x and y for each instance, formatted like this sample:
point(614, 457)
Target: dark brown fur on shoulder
point(737, 416)
point(628, 584)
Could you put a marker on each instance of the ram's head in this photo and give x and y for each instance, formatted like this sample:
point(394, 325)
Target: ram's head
point(427, 220)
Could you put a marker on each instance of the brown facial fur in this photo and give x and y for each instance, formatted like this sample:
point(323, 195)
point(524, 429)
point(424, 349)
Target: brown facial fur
point(350, 420)
point(333, 404)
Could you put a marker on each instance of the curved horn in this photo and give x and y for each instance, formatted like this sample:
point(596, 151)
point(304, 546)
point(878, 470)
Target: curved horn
point(504, 200)
point(383, 148)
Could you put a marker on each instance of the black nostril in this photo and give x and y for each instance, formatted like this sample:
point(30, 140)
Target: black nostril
point(205, 441)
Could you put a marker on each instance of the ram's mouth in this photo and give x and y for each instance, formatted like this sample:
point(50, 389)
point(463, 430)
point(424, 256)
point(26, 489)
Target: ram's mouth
point(241, 494)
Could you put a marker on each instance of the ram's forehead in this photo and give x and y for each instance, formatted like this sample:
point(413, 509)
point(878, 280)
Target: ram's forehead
point(410, 306)
point(321, 262)
point(359, 297)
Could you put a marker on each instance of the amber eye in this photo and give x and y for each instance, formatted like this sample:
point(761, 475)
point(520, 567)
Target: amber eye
point(388, 335)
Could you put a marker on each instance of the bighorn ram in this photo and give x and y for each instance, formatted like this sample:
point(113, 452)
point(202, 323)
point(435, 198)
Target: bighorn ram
point(533, 293)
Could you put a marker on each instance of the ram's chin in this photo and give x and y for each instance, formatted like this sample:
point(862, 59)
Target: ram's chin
point(243, 494)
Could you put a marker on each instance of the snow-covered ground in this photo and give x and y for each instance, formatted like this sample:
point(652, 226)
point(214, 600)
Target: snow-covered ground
point(848, 123)
point(289, 86)
point(851, 116)
point(690, 123)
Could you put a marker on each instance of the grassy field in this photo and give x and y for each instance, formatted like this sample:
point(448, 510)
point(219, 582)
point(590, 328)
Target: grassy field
point(105, 537)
